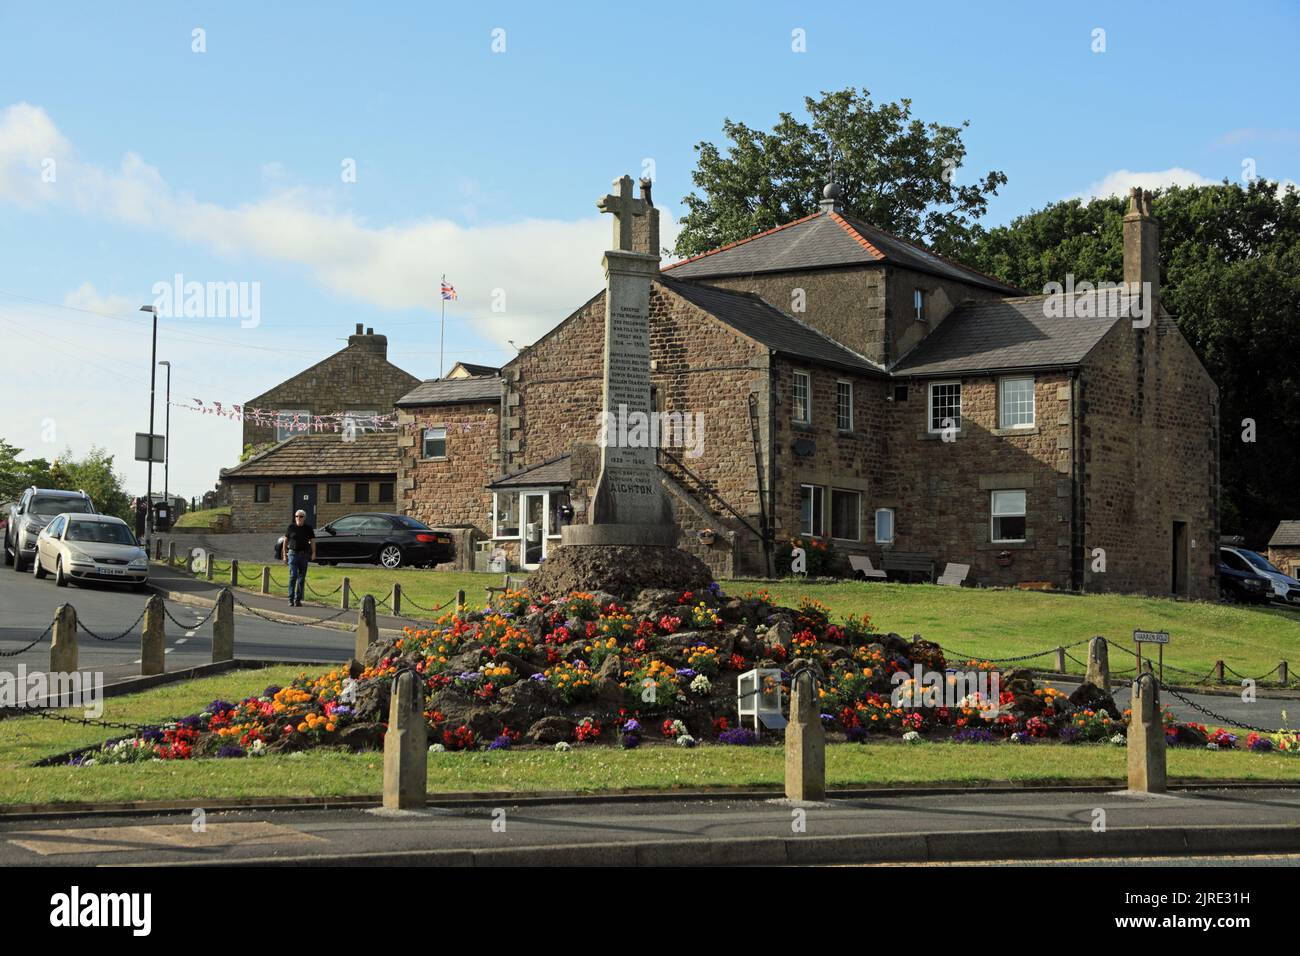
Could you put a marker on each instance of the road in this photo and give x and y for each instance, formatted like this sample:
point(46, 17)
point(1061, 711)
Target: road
point(27, 606)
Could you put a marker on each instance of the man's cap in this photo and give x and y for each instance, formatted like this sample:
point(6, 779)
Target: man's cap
point(300, 512)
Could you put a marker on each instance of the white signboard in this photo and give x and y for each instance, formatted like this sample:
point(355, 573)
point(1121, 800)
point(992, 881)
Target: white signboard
point(142, 448)
point(1151, 637)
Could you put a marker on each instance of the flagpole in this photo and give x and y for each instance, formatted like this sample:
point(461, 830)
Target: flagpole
point(442, 330)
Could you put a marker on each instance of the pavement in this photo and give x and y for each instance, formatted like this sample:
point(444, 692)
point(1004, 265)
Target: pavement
point(1008, 826)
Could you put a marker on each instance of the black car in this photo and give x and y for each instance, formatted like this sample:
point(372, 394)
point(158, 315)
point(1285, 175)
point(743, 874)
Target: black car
point(1238, 581)
point(372, 538)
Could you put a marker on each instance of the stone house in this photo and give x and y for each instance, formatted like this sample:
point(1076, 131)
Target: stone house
point(1284, 547)
point(322, 474)
point(844, 385)
point(357, 380)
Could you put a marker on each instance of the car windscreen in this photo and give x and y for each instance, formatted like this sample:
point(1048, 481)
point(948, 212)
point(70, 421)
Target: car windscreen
point(1259, 561)
point(99, 532)
point(50, 506)
point(406, 522)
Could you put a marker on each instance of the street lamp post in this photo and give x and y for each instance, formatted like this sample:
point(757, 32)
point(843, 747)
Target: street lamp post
point(153, 376)
point(167, 443)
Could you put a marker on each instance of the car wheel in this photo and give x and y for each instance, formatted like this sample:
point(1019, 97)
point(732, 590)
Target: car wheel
point(390, 556)
point(38, 572)
point(19, 565)
point(9, 558)
point(60, 579)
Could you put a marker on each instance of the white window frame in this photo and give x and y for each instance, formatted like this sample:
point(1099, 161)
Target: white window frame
point(855, 494)
point(839, 424)
point(918, 303)
point(284, 419)
point(994, 514)
point(818, 529)
point(807, 400)
point(424, 443)
point(1033, 403)
point(893, 529)
point(929, 407)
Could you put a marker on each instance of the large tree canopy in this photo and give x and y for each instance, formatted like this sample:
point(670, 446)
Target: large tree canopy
point(1230, 275)
point(93, 474)
point(896, 172)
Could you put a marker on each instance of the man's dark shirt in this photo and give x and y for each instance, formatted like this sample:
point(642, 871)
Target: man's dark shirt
point(299, 537)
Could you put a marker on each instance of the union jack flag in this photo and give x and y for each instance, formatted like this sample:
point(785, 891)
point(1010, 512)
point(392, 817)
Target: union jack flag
point(448, 290)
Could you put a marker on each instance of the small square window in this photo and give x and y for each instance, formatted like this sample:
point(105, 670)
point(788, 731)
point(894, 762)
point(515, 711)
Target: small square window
point(1016, 402)
point(900, 393)
point(333, 494)
point(1008, 510)
point(361, 494)
point(812, 518)
point(385, 491)
point(435, 443)
point(884, 525)
point(844, 406)
point(261, 494)
point(802, 398)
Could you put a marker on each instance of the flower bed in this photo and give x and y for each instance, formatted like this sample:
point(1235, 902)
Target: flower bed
point(589, 670)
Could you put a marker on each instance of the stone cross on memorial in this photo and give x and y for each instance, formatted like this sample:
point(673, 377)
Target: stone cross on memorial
point(630, 506)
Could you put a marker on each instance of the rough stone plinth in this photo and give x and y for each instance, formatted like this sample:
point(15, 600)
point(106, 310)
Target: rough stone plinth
point(223, 627)
point(1098, 674)
point(1146, 738)
point(805, 742)
point(621, 570)
point(152, 638)
point(406, 755)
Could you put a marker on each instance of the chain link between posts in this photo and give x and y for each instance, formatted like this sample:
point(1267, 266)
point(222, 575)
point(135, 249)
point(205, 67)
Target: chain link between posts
point(299, 623)
point(115, 637)
point(22, 650)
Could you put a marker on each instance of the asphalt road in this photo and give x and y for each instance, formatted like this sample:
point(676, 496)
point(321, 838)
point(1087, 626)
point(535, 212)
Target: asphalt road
point(1013, 825)
point(27, 607)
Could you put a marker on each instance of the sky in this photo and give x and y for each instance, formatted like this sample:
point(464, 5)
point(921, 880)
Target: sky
point(333, 160)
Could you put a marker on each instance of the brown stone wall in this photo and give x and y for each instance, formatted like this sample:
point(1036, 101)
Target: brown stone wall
point(902, 330)
point(274, 516)
point(1150, 441)
point(1286, 559)
point(358, 378)
point(450, 491)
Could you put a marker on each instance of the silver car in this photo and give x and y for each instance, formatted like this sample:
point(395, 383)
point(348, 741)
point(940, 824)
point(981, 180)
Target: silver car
point(84, 547)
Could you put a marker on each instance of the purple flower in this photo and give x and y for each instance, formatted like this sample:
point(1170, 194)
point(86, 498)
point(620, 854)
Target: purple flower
point(856, 734)
point(686, 672)
point(630, 741)
point(230, 750)
point(1070, 735)
point(538, 676)
point(632, 726)
point(469, 676)
point(219, 707)
point(272, 690)
point(973, 735)
point(1261, 745)
point(501, 743)
point(738, 736)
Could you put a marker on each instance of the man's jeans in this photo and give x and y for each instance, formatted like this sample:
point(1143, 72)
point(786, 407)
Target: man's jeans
point(297, 574)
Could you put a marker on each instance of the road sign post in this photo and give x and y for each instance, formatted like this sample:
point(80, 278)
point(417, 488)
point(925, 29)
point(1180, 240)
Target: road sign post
point(1160, 639)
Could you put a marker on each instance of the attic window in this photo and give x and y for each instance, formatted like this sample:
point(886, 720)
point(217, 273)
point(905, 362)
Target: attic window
point(918, 304)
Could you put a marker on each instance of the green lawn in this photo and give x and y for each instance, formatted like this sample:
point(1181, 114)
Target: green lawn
point(25, 740)
point(202, 518)
point(984, 622)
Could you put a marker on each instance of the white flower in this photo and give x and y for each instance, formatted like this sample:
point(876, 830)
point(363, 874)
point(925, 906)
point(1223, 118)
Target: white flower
point(686, 740)
point(348, 694)
point(701, 684)
point(1211, 745)
point(911, 737)
point(437, 749)
point(563, 747)
point(257, 748)
point(1017, 737)
point(1119, 740)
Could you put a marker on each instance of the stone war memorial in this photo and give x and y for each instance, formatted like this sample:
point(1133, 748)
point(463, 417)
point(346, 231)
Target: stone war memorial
point(630, 542)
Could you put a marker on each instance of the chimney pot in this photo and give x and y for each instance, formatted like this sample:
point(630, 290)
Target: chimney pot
point(370, 331)
point(359, 327)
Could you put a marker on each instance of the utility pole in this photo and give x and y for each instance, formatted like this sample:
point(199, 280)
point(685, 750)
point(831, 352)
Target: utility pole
point(153, 376)
point(167, 445)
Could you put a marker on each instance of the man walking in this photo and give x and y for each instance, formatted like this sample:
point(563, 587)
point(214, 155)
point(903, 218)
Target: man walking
point(299, 548)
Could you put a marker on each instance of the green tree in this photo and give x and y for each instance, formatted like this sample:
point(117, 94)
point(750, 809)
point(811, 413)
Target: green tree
point(94, 474)
point(16, 475)
point(1230, 275)
point(896, 172)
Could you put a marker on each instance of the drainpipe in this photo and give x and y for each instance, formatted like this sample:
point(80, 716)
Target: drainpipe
point(1078, 543)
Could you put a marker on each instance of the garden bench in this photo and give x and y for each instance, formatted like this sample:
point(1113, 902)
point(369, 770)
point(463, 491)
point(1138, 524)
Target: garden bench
point(954, 575)
point(861, 565)
point(910, 563)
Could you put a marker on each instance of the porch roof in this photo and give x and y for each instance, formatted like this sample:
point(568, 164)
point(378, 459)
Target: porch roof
point(554, 471)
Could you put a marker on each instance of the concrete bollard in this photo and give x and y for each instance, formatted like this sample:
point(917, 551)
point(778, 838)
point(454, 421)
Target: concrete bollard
point(223, 627)
point(367, 629)
point(396, 601)
point(1098, 664)
point(805, 742)
point(151, 637)
point(1060, 660)
point(63, 640)
point(460, 603)
point(171, 553)
point(234, 572)
point(1146, 737)
point(266, 579)
point(346, 599)
point(406, 742)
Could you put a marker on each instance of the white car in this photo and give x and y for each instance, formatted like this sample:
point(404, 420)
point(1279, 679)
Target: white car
point(86, 547)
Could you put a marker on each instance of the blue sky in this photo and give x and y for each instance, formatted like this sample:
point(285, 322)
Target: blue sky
point(225, 165)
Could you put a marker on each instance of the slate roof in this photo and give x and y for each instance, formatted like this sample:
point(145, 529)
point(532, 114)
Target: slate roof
point(554, 471)
point(322, 455)
point(477, 369)
point(768, 325)
point(453, 391)
point(826, 239)
point(1287, 535)
point(1005, 334)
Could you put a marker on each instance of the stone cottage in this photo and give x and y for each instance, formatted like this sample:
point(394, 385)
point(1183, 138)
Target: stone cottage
point(830, 382)
point(1284, 547)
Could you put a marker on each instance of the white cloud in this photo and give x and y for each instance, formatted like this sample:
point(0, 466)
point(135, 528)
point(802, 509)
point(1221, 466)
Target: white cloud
point(1119, 182)
point(545, 267)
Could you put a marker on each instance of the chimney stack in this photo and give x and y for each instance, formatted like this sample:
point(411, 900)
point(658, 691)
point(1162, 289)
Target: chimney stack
point(645, 229)
point(1142, 249)
point(366, 339)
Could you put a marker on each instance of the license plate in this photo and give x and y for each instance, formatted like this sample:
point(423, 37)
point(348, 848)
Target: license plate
point(103, 570)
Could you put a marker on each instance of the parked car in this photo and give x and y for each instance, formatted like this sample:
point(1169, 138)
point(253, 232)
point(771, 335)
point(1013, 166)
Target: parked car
point(1239, 581)
point(35, 509)
point(374, 538)
point(1285, 588)
point(76, 546)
